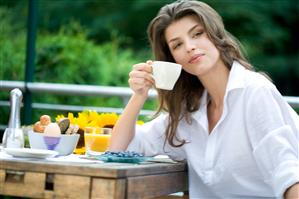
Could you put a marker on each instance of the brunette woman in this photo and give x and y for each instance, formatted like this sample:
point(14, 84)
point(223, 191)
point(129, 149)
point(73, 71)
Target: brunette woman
point(232, 126)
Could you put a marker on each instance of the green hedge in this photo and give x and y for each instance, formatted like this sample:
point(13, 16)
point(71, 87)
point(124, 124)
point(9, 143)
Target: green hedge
point(66, 57)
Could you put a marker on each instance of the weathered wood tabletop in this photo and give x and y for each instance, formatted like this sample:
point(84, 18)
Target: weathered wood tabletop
point(46, 179)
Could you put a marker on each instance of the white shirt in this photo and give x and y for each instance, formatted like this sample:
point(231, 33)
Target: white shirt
point(252, 152)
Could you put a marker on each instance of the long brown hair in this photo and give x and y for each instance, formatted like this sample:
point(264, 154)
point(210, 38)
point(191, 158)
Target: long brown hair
point(185, 97)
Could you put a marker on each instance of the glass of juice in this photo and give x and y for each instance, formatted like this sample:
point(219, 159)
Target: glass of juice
point(96, 140)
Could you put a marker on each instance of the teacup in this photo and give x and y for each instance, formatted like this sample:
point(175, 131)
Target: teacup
point(166, 74)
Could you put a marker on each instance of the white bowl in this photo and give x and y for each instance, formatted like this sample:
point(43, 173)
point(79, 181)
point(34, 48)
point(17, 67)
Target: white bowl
point(64, 144)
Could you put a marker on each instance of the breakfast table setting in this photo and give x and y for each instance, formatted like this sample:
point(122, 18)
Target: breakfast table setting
point(42, 161)
point(75, 176)
point(51, 169)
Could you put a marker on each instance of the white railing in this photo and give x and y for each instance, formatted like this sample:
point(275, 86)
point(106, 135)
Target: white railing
point(73, 89)
point(89, 90)
point(86, 90)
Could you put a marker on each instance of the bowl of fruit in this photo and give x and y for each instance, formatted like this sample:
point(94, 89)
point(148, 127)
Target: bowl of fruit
point(59, 136)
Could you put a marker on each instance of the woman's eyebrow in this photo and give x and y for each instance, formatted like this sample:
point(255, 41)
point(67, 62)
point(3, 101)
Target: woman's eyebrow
point(189, 31)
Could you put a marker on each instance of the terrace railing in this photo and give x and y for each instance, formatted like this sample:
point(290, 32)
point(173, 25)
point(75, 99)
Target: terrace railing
point(123, 93)
point(85, 90)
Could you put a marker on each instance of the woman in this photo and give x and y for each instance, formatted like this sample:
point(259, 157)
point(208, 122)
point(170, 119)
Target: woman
point(237, 134)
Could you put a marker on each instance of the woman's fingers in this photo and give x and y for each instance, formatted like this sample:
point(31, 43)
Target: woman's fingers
point(143, 67)
point(150, 62)
point(139, 82)
point(140, 86)
point(140, 78)
point(142, 70)
point(143, 75)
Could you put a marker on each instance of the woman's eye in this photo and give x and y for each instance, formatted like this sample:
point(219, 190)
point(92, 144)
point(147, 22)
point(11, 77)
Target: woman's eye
point(197, 34)
point(177, 45)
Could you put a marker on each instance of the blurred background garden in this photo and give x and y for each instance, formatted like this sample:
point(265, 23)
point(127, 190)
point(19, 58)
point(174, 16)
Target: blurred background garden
point(96, 42)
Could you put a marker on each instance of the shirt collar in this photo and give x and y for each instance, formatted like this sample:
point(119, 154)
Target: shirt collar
point(203, 104)
point(201, 114)
point(235, 81)
point(236, 77)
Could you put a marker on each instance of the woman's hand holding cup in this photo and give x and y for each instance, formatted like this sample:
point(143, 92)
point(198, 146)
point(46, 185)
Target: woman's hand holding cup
point(141, 79)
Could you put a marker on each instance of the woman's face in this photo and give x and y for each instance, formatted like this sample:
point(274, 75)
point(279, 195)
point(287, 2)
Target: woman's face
point(190, 46)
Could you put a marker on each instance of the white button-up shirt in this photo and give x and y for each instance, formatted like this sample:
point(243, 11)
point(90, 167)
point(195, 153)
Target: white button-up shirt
point(252, 151)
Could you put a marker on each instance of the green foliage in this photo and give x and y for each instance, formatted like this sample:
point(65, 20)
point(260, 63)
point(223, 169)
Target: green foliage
point(12, 49)
point(12, 54)
point(130, 17)
point(68, 57)
point(97, 42)
point(267, 29)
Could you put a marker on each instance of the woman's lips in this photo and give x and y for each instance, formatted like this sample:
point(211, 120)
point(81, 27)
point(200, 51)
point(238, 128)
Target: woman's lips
point(196, 58)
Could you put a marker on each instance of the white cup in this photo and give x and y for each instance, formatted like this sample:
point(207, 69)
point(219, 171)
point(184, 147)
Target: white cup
point(166, 74)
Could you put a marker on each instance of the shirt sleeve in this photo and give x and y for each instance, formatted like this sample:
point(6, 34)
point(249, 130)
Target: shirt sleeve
point(149, 139)
point(273, 131)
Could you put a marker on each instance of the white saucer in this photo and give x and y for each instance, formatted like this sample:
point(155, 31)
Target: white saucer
point(30, 153)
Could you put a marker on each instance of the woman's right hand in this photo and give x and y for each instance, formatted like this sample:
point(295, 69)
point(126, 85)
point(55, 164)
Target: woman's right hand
point(141, 79)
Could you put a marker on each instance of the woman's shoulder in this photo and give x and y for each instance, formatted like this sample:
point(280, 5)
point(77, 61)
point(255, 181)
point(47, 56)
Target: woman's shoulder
point(240, 77)
point(259, 89)
point(258, 81)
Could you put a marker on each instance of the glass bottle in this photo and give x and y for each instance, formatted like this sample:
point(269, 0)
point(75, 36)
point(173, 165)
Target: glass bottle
point(13, 136)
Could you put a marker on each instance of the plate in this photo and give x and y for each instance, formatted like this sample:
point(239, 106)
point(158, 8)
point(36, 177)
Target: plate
point(30, 153)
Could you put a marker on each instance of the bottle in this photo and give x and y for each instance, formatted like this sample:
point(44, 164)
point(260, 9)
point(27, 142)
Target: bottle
point(13, 136)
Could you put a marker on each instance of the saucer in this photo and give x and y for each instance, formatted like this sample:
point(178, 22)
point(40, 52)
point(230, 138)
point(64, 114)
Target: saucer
point(30, 153)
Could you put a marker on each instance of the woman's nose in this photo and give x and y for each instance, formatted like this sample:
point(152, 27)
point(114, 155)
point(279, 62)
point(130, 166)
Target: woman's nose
point(190, 46)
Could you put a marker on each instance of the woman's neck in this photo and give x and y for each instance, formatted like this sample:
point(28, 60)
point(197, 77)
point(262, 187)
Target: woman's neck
point(215, 81)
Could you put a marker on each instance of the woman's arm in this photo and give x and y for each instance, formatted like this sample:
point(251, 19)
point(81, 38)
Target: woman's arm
point(140, 82)
point(273, 127)
point(292, 192)
point(124, 130)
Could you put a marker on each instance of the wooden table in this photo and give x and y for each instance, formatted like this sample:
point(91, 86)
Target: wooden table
point(46, 179)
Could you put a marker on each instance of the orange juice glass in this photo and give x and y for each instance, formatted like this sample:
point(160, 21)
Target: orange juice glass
point(96, 139)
